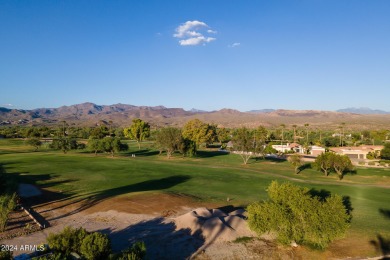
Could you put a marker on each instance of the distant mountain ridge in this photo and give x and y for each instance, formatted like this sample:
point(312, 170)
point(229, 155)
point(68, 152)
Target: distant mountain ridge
point(259, 111)
point(363, 111)
point(90, 114)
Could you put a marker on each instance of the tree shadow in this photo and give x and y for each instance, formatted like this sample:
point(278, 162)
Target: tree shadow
point(350, 172)
point(304, 167)
point(213, 145)
point(270, 159)
point(230, 208)
point(94, 198)
point(143, 152)
point(161, 238)
point(322, 194)
point(385, 213)
point(381, 243)
point(209, 154)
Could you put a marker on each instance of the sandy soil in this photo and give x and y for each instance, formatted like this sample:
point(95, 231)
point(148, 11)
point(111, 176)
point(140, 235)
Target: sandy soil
point(172, 226)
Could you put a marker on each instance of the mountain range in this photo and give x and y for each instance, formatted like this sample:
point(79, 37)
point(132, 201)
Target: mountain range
point(90, 114)
point(363, 111)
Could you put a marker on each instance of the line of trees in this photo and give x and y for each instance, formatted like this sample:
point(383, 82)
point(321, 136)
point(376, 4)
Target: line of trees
point(107, 144)
point(246, 142)
point(203, 133)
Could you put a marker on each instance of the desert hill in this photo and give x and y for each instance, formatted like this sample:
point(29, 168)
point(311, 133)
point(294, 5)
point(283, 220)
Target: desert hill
point(90, 114)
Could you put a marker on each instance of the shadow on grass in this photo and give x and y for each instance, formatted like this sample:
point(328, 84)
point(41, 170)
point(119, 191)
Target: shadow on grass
point(94, 198)
point(381, 243)
point(161, 238)
point(305, 167)
point(270, 159)
point(209, 154)
point(385, 213)
point(83, 201)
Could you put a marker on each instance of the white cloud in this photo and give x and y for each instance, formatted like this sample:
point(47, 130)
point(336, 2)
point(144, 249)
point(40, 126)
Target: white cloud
point(7, 105)
point(236, 44)
point(196, 41)
point(211, 31)
point(183, 29)
point(192, 33)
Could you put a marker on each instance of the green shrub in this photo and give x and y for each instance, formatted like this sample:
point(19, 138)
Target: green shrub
point(295, 215)
point(5, 254)
point(371, 163)
point(54, 256)
point(135, 252)
point(7, 204)
point(69, 240)
point(95, 246)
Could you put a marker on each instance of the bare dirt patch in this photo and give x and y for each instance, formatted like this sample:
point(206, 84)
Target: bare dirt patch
point(151, 217)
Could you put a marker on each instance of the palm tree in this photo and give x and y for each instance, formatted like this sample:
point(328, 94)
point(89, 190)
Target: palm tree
point(342, 129)
point(307, 133)
point(295, 129)
point(64, 124)
point(282, 126)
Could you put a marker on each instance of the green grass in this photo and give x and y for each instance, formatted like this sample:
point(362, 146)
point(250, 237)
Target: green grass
point(210, 177)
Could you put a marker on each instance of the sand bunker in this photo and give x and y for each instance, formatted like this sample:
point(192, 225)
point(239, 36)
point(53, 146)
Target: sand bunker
point(214, 225)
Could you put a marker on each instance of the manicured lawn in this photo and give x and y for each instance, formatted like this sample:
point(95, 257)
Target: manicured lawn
point(212, 176)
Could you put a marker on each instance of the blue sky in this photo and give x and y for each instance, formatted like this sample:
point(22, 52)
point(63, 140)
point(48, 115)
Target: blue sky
point(306, 54)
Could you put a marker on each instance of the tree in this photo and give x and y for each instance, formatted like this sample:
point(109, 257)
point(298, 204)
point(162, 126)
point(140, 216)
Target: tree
point(223, 135)
point(34, 142)
point(260, 135)
point(385, 152)
point(296, 161)
point(95, 145)
point(283, 126)
point(270, 150)
point(342, 134)
point(63, 128)
point(199, 132)
point(307, 133)
point(112, 145)
point(99, 132)
point(295, 133)
point(244, 144)
point(341, 164)
point(187, 147)
point(296, 215)
point(168, 139)
point(324, 162)
point(138, 131)
point(62, 144)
